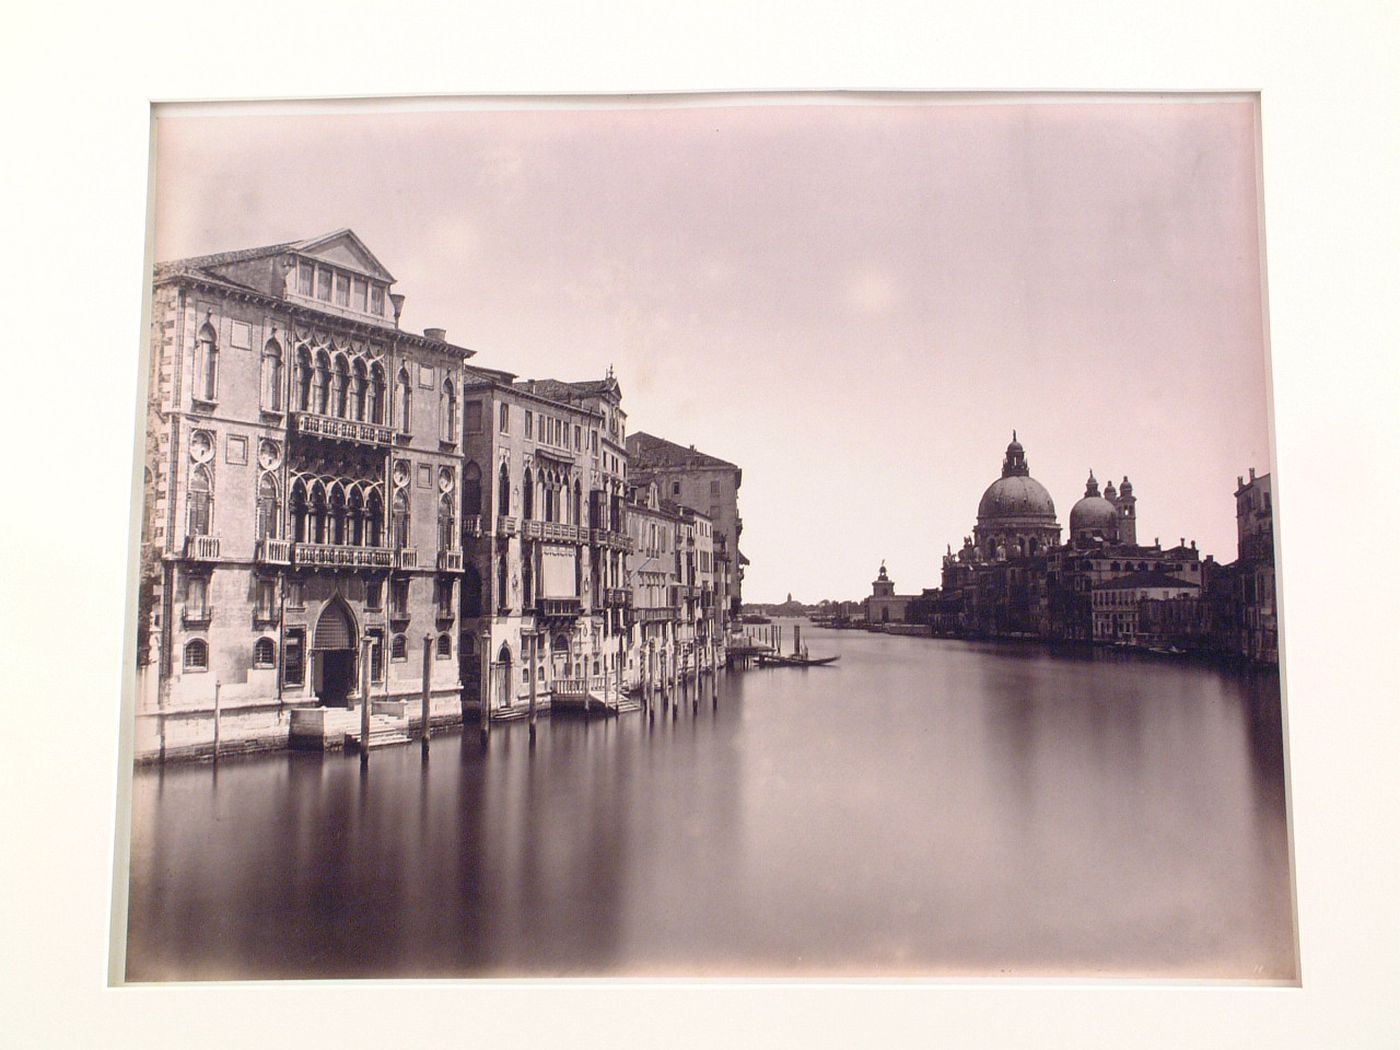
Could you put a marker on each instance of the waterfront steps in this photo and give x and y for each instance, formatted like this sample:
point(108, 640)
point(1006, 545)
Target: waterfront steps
point(326, 729)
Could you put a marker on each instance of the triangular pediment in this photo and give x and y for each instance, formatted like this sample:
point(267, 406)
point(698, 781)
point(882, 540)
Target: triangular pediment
point(345, 250)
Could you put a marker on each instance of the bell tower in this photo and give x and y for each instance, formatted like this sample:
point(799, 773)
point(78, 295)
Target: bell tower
point(1127, 513)
point(883, 587)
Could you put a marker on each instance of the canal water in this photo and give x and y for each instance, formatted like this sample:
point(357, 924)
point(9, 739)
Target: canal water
point(921, 808)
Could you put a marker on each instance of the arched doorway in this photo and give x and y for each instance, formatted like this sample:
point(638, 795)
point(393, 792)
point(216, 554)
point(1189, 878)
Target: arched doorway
point(505, 685)
point(333, 652)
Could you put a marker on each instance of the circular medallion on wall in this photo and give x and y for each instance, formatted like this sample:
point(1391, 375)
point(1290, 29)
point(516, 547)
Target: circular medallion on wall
point(445, 479)
point(401, 473)
point(269, 454)
point(201, 446)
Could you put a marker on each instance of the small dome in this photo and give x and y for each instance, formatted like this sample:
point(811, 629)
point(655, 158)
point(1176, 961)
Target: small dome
point(1092, 514)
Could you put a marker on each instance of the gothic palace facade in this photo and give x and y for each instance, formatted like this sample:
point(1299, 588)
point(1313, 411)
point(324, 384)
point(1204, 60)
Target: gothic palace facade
point(325, 490)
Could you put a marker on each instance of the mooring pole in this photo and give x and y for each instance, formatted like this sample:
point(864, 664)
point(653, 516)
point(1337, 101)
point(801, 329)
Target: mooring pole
point(484, 713)
point(364, 702)
point(217, 719)
point(621, 659)
point(796, 639)
point(427, 690)
point(534, 659)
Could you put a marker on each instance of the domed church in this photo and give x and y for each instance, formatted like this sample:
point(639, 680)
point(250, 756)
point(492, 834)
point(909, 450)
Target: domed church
point(1107, 519)
point(1016, 516)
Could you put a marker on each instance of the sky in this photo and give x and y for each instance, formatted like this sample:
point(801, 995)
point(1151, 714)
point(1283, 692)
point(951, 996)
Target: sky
point(856, 303)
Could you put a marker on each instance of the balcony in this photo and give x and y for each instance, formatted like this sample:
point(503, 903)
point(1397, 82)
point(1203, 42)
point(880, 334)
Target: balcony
point(202, 548)
point(617, 597)
point(266, 617)
point(272, 551)
point(406, 558)
point(471, 526)
point(557, 608)
point(554, 530)
point(352, 431)
point(333, 556)
point(449, 560)
point(507, 526)
point(531, 529)
point(658, 614)
point(398, 615)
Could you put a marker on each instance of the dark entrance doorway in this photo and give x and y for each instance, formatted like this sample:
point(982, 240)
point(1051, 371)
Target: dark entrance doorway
point(334, 646)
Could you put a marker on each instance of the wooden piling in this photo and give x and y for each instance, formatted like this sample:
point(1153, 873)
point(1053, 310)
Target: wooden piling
point(364, 702)
point(796, 639)
point(427, 689)
point(534, 646)
point(217, 719)
point(484, 716)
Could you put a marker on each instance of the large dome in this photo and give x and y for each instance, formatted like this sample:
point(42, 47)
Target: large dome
point(1018, 497)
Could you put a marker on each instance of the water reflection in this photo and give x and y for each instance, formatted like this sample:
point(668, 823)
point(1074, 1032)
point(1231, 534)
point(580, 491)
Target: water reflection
point(922, 807)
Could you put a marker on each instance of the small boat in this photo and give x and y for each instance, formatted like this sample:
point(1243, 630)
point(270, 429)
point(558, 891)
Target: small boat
point(776, 660)
point(754, 618)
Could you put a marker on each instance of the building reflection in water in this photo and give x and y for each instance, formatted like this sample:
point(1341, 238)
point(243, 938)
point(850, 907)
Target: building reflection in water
point(922, 807)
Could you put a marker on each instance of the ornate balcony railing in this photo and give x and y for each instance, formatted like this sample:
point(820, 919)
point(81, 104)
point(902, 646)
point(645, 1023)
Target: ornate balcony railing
point(449, 560)
point(559, 607)
point(507, 526)
point(617, 597)
point(406, 557)
point(333, 556)
point(202, 548)
point(266, 617)
point(471, 526)
point(334, 429)
point(597, 683)
point(272, 551)
point(531, 529)
point(657, 614)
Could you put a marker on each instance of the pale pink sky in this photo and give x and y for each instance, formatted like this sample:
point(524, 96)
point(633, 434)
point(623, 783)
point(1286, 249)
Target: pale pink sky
point(855, 303)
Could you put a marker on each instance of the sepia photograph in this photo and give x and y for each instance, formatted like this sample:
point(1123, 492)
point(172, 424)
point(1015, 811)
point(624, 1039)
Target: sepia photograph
point(708, 537)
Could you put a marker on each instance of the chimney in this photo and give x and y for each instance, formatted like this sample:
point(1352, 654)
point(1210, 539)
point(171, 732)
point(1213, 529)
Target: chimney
point(1251, 473)
point(397, 300)
point(438, 335)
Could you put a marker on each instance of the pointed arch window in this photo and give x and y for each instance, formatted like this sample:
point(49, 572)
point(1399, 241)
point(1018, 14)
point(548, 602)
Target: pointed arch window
point(527, 496)
point(318, 514)
point(321, 384)
point(300, 521)
point(206, 365)
point(272, 376)
point(376, 394)
point(578, 503)
point(447, 523)
point(355, 513)
point(359, 391)
point(201, 502)
point(448, 411)
point(374, 520)
point(304, 380)
point(527, 582)
point(337, 515)
point(502, 594)
point(403, 401)
point(341, 389)
point(503, 492)
point(269, 524)
point(401, 519)
point(471, 489)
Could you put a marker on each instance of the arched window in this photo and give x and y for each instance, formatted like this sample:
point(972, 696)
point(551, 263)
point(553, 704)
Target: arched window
point(376, 394)
point(374, 520)
point(272, 376)
point(264, 653)
point(196, 655)
point(503, 492)
point(318, 513)
point(206, 365)
point(341, 400)
point(355, 513)
point(403, 401)
point(447, 523)
point(502, 594)
point(304, 380)
point(527, 496)
point(401, 520)
point(447, 411)
point(337, 515)
point(201, 502)
point(471, 489)
point(444, 646)
point(299, 516)
point(321, 384)
point(578, 503)
point(398, 648)
point(527, 582)
point(269, 522)
point(549, 501)
point(359, 391)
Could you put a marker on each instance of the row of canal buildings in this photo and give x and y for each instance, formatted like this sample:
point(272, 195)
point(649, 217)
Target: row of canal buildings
point(1013, 577)
point(322, 485)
